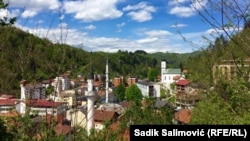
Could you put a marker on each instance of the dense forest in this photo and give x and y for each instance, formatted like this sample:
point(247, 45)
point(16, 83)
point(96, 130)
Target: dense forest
point(25, 56)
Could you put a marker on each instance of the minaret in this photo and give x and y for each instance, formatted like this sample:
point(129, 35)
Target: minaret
point(22, 109)
point(22, 85)
point(107, 82)
point(90, 95)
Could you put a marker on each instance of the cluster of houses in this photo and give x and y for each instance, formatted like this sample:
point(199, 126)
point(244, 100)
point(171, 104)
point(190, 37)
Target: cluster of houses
point(69, 103)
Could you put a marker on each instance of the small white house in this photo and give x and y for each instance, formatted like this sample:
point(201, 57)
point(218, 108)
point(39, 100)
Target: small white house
point(149, 89)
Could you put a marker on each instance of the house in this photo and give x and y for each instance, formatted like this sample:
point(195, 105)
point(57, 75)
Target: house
point(8, 103)
point(101, 117)
point(44, 107)
point(182, 85)
point(78, 117)
point(68, 96)
point(182, 117)
point(186, 100)
point(149, 89)
point(119, 109)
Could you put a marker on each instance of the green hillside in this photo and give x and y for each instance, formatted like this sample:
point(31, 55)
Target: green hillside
point(26, 56)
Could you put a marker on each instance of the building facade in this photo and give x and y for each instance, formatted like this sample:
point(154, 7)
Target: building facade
point(149, 89)
point(168, 74)
point(32, 91)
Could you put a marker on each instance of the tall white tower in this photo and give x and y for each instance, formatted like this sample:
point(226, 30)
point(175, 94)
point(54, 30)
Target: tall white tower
point(107, 82)
point(163, 69)
point(22, 107)
point(22, 85)
point(90, 95)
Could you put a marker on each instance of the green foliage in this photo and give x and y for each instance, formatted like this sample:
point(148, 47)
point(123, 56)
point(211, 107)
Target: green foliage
point(163, 93)
point(49, 90)
point(6, 20)
point(5, 135)
point(148, 114)
point(25, 56)
point(172, 86)
point(228, 101)
point(120, 92)
point(152, 74)
point(133, 93)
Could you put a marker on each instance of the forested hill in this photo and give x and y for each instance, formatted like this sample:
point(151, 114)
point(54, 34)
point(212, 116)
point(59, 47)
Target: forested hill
point(25, 56)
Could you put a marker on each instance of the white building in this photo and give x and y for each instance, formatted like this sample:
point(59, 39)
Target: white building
point(168, 74)
point(61, 83)
point(149, 89)
point(7, 105)
point(43, 107)
point(32, 91)
point(68, 96)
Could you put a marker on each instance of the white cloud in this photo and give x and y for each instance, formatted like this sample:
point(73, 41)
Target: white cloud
point(33, 7)
point(186, 8)
point(90, 27)
point(177, 2)
point(9, 14)
point(90, 10)
point(121, 25)
point(3, 13)
point(157, 33)
point(179, 25)
point(141, 12)
point(147, 40)
point(140, 16)
point(156, 41)
point(182, 11)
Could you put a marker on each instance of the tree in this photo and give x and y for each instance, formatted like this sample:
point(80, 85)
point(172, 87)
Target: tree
point(152, 74)
point(6, 20)
point(133, 93)
point(120, 92)
point(229, 41)
point(4, 133)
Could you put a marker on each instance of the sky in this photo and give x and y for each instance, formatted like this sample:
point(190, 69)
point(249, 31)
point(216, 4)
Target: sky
point(112, 25)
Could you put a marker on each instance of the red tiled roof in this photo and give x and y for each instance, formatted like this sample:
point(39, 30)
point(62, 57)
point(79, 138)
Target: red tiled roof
point(43, 103)
point(8, 102)
point(102, 115)
point(183, 82)
point(184, 116)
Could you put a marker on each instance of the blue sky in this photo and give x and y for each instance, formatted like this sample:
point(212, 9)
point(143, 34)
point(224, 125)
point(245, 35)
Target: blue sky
point(112, 25)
